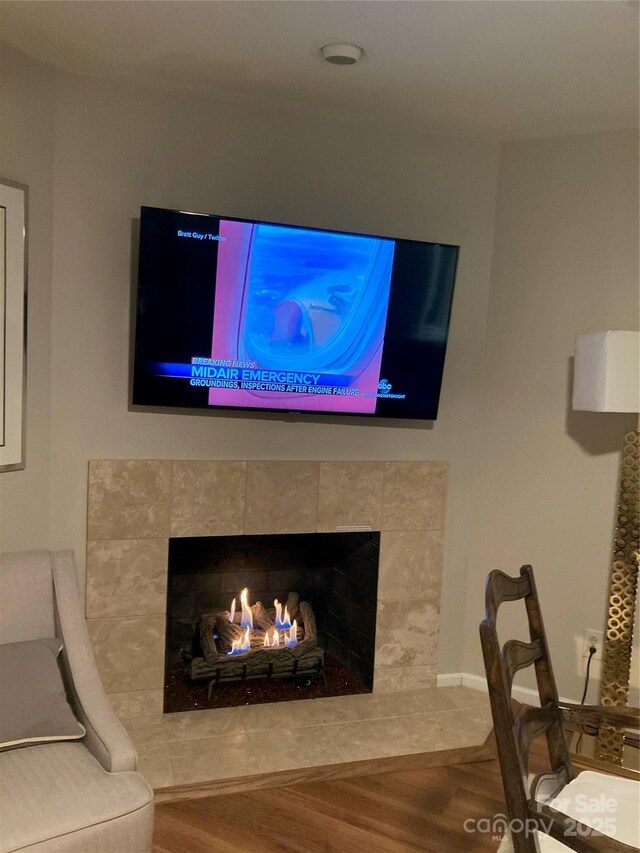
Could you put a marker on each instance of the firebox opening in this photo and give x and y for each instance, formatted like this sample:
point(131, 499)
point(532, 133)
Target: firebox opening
point(270, 618)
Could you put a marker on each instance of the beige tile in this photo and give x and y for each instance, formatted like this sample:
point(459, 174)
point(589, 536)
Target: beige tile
point(129, 651)
point(202, 724)
point(138, 706)
point(343, 709)
point(410, 564)
point(126, 577)
point(350, 493)
point(406, 633)
point(425, 701)
point(143, 734)
point(389, 679)
point(154, 765)
point(411, 733)
point(128, 499)
point(290, 748)
point(370, 706)
point(444, 730)
point(208, 498)
point(282, 497)
point(482, 716)
point(464, 697)
point(276, 715)
point(361, 740)
point(415, 495)
point(212, 758)
point(140, 712)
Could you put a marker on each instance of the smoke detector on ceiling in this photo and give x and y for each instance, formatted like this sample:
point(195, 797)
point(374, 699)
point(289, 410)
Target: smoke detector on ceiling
point(341, 54)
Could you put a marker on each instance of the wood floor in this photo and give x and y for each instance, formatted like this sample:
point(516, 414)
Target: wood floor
point(400, 811)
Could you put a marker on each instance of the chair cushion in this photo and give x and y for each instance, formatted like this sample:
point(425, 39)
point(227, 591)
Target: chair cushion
point(33, 703)
point(59, 788)
point(610, 804)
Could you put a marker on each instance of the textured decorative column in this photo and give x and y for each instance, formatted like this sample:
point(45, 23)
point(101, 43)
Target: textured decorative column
point(622, 598)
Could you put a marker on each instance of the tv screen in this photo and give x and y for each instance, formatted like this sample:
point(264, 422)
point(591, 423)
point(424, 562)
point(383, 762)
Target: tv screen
point(240, 314)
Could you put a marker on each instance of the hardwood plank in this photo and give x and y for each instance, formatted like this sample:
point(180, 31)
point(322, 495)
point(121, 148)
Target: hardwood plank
point(393, 821)
point(408, 809)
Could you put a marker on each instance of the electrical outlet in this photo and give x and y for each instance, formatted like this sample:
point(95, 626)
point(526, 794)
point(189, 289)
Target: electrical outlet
point(590, 639)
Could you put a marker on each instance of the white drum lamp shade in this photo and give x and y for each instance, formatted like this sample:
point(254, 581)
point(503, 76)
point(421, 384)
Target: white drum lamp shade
point(607, 372)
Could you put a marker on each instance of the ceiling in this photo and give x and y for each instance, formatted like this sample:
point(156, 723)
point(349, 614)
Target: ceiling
point(489, 68)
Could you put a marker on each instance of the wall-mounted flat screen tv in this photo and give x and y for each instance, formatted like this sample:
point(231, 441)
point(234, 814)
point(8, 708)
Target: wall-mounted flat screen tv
point(240, 314)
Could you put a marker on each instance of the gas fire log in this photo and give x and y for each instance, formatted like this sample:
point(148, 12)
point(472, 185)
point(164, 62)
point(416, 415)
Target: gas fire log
point(261, 618)
point(308, 620)
point(207, 636)
point(227, 632)
point(217, 635)
point(263, 664)
point(292, 606)
point(223, 643)
point(310, 640)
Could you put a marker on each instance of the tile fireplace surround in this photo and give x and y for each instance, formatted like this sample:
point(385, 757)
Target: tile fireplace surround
point(134, 506)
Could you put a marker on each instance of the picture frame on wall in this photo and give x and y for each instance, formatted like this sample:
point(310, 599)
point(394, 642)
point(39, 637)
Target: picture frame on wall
point(13, 323)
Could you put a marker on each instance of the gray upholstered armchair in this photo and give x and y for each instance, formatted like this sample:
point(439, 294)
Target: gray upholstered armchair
point(73, 796)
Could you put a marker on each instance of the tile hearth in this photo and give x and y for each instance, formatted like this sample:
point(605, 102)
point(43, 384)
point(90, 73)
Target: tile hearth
point(205, 746)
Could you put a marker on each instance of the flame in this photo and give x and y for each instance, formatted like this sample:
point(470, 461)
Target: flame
point(291, 638)
point(271, 643)
point(274, 642)
point(283, 627)
point(282, 620)
point(247, 616)
point(242, 644)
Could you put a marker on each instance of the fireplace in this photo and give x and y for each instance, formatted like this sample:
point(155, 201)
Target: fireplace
point(267, 618)
point(136, 507)
point(139, 509)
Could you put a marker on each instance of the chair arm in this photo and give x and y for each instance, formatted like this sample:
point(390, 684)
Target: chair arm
point(597, 715)
point(575, 835)
point(106, 737)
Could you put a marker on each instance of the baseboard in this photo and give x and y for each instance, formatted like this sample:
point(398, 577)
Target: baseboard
point(477, 682)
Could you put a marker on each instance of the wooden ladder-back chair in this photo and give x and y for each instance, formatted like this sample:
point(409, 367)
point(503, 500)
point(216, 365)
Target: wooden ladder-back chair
point(516, 728)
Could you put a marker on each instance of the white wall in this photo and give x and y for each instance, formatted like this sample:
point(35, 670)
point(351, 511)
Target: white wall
point(530, 481)
point(117, 147)
point(26, 156)
point(565, 262)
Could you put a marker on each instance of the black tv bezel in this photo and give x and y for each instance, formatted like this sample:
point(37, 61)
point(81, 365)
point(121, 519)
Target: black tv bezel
point(323, 414)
